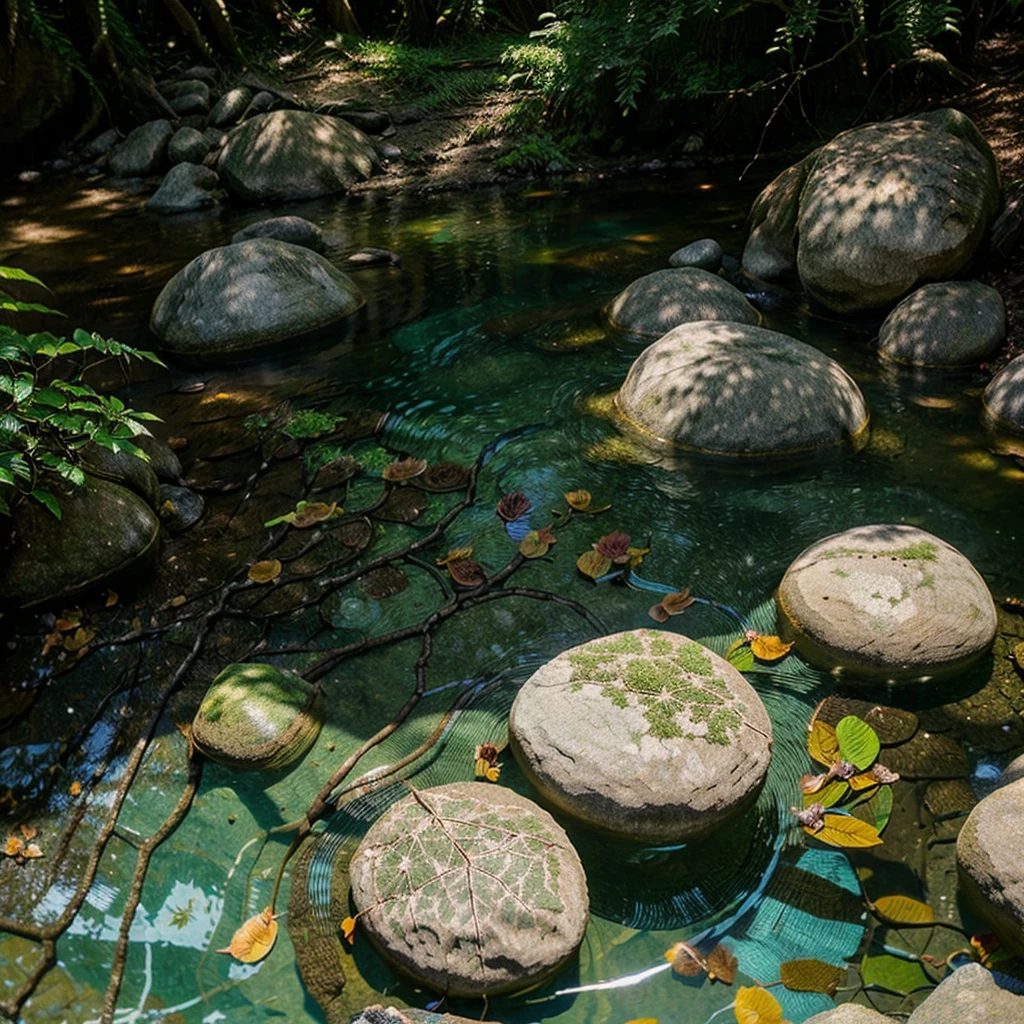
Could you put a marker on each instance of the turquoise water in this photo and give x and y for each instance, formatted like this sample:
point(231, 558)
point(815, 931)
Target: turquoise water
point(488, 336)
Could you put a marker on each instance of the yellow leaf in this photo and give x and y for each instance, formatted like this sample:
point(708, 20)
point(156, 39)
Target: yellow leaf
point(493, 773)
point(111, 599)
point(69, 621)
point(903, 910)
point(77, 640)
point(643, 1020)
point(255, 939)
point(76, 789)
point(313, 512)
point(769, 648)
point(685, 960)
point(32, 851)
point(28, 832)
point(593, 564)
point(481, 768)
point(348, 929)
point(137, 624)
point(842, 830)
point(636, 556)
point(863, 781)
point(455, 555)
point(265, 572)
point(579, 500)
point(756, 1006)
point(177, 602)
point(811, 976)
point(14, 847)
point(822, 744)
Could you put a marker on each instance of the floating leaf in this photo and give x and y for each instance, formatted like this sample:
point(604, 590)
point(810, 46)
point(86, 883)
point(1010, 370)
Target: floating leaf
point(671, 604)
point(177, 602)
point(822, 743)
point(312, 512)
point(403, 505)
point(111, 599)
point(384, 582)
point(28, 832)
point(75, 789)
point(446, 476)
point(335, 473)
point(14, 847)
point(685, 960)
point(844, 831)
point(903, 910)
point(77, 640)
point(858, 742)
point(265, 572)
point(811, 976)
point(830, 795)
point(356, 533)
point(581, 501)
point(537, 543)
point(466, 572)
point(69, 620)
point(614, 546)
point(636, 556)
point(756, 1006)
point(513, 506)
point(255, 939)
point(893, 972)
point(403, 469)
point(863, 781)
point(31, 851)
point(769, 648)
point(488, 752)
point(348, 930)
point(454, 555)
point(813, 783)
point(593, 564)
point(721, 965)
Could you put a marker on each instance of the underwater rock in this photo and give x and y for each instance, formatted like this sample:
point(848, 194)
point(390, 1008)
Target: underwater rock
point(705, 254)
point(144, 151)
point(247, 296)
point(734, 389)
point(230, 107)
point(258, 717)
point(188, 145)
point(951, 323)
point(1003, 400)
point(657, 302)
point(185, 188)
point(645, 734)
point(180, 508)
point(294, 230)
point(871, 210)
point(970, 994)
point(470, 889)
point(849, 1013)
point(886, 602)
point(106, 534)
point(371, 256)
point(292, 154)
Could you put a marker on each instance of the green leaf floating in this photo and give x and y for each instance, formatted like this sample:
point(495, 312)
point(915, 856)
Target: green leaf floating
point(858, 742)
point(811, 976)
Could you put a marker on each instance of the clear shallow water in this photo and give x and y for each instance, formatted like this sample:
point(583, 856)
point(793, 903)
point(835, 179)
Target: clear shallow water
point(490, 328)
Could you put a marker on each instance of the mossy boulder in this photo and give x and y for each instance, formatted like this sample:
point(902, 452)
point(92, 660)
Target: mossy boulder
point(258, 717)
point(292, 154)
point(106, 536)
point(645, 734)
point(1003, 400)
point(124, 468)
point(738, 390)
point(251, 295)
point(655, 303)
point(886, 602)
point(470, 889)
point(948, 323)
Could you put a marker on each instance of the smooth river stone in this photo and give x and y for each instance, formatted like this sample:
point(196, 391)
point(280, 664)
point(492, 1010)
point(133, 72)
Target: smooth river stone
point(1003, 400)
point(470, 889)
point(657, 302)
point(886, 602)
point(257, 717)
point(643, 734)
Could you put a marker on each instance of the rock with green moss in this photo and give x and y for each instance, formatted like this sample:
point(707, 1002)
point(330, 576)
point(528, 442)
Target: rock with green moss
point(645, 734)
point(886, 602)
point(257, 716)
point(949, 323)
point(470, 889)
point(655, 303)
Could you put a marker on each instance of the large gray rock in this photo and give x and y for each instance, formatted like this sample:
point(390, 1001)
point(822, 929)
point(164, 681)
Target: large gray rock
point(850, 1013)
point(879, 210)
point(705, 254)
point(188, 145)
point(124, 468)
point(230, 107)
point(162, 459)
point(106, 535)
point(101, 145)
point(949, 323)
point(657, 302)
point(292, 154)
point(644, 734)
point(295, 230)
point(470, 889)
point(1003, 400)
point(734, 389)
point(970, 995)
point(186, 87)
point(248, 296)
point(1013, 771)
point(886, 602)
point(184, 189)
point(144, 151)
point(191, 103)
point(989, 855)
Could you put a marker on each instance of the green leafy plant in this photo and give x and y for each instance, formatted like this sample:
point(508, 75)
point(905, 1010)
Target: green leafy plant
point(47, 414)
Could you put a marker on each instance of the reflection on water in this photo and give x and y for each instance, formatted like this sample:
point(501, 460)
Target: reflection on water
point(491, 326)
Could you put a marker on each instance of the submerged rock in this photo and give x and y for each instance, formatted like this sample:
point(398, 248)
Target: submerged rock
point(971, 995)
point(292, 154)
point(180, 508)
point(512, 911)
point(258, 717)
point(705, 254)
point(644, 734)
point(657, 302)
point(734, 389)
point(950, 323)
point(886, 602)
point(1003, 400)
point(184, 190)
point(373, 257)
point(295, 230)
point(144, 151)
point(247, 296)
point(106, 534)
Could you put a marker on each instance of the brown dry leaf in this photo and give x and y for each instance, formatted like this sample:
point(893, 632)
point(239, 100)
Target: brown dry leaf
point(177, 443)
point(312, 513)
point(384, 582)
point(28, 832)
point(348, 930)
point(255, 939)
point(177, 602)
point(443, 477)
point(685, 960)
point(266, 571)
point(75, 789)
point(537, 543)
point(454, 555)
point(403, 469)
point(658, 613)
point(31, 852)
point(14, 847)
point(593, 564)
point(137, 624)
point(112, 599)
point(822, 743)
point(513, 506)
point(77, 640)
point(52, 640)
point(69, 620)
point(721, 965)
point(679, 602)
point(579, 500)
point(811, 976)
point(769, 648)
point(466, 572)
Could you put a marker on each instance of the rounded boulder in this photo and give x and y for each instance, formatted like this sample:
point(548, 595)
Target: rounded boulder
point(734, 389)
point(705, 253)
point(657, 302)
point(251, 295)
point(1003, 401)
point(646, 735)
point(886, 602)
point(949, 323)
point(295, 230)
point(470, 889)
